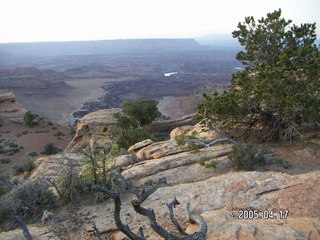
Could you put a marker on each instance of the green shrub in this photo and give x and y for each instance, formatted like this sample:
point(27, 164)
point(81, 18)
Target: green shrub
point(32, 154)
point(205, 162)
point(29, 166)
point(127, 137)
point(70, 186)
point(58, 133)
point(18, 169)
point(5, 160)
point(31, 119)
point(133, 121)
point(50, 149)
point(28, 200)
point(246, 157)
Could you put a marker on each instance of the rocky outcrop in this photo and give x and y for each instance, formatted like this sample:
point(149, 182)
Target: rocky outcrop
point(218, 194)
point(54, 166)
point(10, 110)
point(91, 130)
point(200, 131)
point(140, 145)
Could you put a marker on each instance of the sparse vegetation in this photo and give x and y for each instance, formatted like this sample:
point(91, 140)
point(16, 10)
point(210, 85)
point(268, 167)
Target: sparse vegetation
point(29, 166)
point(207, 162)
point(28, 200)
point(4, 160)
point(58, 133)
point(246, 157)
point(32, 154)
point(50, 149)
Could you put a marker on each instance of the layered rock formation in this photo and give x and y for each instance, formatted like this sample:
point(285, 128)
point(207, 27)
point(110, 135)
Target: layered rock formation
point(92, 127)
point(218, 194)
point(91, 130)
point(10, 110)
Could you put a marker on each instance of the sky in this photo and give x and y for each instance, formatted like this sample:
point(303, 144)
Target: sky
point(75, 20)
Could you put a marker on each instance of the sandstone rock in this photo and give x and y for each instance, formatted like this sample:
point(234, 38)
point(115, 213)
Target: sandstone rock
point(53, 166)
point(10, 110)
point(160, 149)
point(218, 199)
point(125, 160)
point(91, 130)
point(38, 233)
point(159, 167)
point(163, 128)
point(140, 145)
point(198, 130)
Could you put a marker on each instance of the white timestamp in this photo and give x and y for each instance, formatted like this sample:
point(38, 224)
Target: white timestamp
point(253, 214)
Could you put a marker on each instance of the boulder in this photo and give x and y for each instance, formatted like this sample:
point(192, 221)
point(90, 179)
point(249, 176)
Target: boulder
point(54, 165)
point(91, 130)
point(140, 145)
point(199, 131)
point(10, 110)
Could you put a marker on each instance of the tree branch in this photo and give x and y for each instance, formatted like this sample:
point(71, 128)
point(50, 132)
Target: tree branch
point(197, 141)
point(173, 219)
point(24, 227)
point(117, 208)
point(141, 196)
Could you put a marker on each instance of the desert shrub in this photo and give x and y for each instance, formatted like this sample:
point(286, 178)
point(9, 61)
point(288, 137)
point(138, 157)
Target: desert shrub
point(29, 166)
point(58, 133)
point(205, 162)
point(133, 121)
point(32, 154)
point(283, 163)
point(278, 89)
point(186, 140)
point(18, 169)
point(50, 149)
point(4, 160)
point(28, 200)
point(31, 119)
point(50, 123)
point(70, 186)
point(246, 157)
point(127, 137)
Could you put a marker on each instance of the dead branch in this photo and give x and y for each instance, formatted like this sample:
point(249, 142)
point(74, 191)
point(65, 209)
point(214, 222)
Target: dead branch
point(24, 227)
point(197, 141)
point(141, 196)
point(96, 232)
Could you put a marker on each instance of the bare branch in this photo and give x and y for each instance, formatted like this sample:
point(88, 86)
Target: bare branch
point(24, 227)
point(141, 196)
point(96, 232)
point(117, 208)
point(173, 219)
point(197, 141)
point(195, 218)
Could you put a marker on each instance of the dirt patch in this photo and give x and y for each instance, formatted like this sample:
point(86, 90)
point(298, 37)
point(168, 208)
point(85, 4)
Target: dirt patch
point(28, 140)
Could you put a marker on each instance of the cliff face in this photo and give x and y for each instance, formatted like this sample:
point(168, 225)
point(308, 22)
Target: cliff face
point(10, 110)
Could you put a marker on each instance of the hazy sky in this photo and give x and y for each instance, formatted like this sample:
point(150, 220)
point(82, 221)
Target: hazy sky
point(54, 20)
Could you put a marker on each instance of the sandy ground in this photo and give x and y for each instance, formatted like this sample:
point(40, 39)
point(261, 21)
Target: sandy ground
point(35, 140)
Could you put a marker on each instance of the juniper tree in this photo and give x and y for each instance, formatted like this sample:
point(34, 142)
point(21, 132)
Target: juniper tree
point(279, 88)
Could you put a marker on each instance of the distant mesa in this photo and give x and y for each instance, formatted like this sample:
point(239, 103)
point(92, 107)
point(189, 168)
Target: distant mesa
point(10, 110)
point(97, 47)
